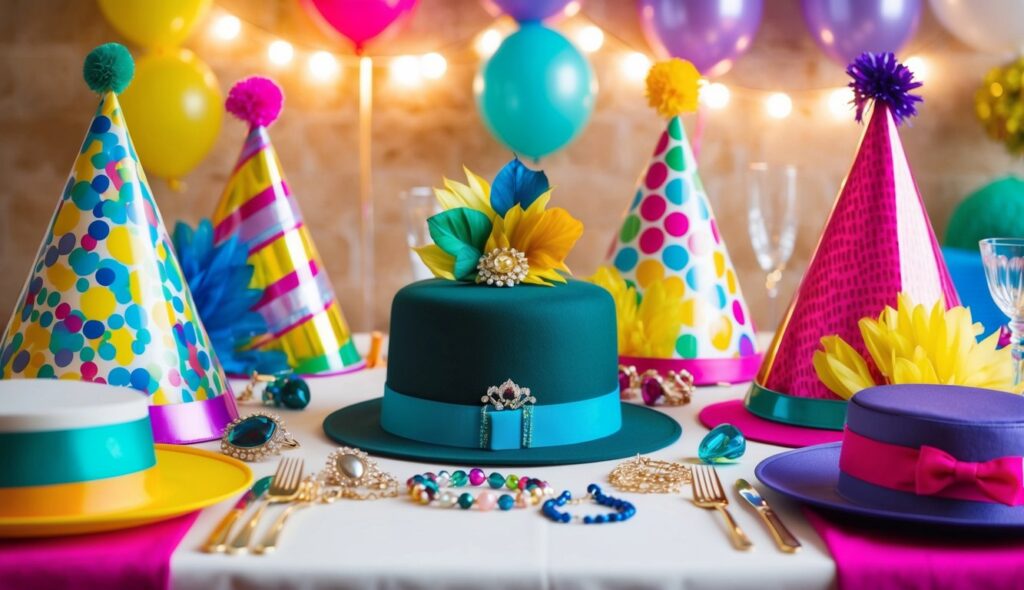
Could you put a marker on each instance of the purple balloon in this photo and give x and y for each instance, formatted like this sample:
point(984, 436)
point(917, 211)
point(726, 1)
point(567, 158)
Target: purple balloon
point(846, 28)
point(531, 10)
point(709, 33)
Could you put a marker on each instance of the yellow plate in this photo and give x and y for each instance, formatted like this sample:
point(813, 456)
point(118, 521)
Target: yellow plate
point(192, 479)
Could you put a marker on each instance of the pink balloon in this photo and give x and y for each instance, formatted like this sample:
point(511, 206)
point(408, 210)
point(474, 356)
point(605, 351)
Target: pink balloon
point(359, 20)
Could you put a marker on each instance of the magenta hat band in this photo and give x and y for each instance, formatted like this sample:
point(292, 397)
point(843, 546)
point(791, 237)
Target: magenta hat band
point(705, 371)
point(192, 422)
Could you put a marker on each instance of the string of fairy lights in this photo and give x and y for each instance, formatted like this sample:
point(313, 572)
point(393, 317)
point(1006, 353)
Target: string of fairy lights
point(413, 70)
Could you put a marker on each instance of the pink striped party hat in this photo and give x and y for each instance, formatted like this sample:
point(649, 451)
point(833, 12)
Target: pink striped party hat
point(299, 304)
point(877, 243)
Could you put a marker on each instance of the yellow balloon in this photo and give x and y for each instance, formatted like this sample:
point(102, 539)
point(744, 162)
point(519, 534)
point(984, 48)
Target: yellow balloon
point(154, 23)
point(174, 109)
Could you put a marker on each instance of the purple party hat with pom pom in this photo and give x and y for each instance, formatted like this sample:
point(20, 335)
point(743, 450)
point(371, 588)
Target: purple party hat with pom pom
point(877, 243)
point(106, 300)
point(298, 303)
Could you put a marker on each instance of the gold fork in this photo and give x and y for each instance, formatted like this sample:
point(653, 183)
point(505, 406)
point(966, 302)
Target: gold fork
point(308, 494)
point(283, 488)
point(709, 493)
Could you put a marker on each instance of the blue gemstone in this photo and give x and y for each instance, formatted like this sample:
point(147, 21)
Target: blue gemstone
point(506, 502)
point(252, 432)
point(723, 444)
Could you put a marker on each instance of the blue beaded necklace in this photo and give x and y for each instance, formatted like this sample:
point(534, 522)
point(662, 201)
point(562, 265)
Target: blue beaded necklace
point(623, 510)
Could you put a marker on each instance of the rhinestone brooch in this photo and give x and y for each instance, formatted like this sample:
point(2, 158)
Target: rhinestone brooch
point(502, 267)
point(508, 396)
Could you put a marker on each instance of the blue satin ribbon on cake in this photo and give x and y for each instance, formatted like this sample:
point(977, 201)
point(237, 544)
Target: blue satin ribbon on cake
point(75, 455)
point(457, 425)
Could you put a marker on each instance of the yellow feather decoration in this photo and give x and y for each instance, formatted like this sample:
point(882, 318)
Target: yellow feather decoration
point(916, 344)
point(647, 326)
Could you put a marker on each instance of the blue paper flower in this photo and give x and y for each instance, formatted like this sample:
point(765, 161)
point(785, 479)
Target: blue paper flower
point(879, 77)
point(218, 277)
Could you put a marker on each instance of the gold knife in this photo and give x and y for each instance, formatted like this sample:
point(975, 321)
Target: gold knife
point(783, 538)
point(217, 541)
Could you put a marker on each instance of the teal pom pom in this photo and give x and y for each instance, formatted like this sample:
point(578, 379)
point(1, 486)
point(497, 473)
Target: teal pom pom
point(994, 211)
point(109, 67)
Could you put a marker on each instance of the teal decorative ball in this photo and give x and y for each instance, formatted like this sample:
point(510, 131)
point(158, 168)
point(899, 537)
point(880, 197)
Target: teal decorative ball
point(996, 210)
point(108, 67)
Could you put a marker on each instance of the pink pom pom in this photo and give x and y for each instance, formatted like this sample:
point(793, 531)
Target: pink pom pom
point(256, 100)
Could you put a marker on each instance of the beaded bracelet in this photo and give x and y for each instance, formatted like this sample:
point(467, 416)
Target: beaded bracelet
point(623, 510)
point(426, 489)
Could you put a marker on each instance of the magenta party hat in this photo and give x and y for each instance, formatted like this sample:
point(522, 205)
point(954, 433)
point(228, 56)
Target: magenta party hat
point(670, 237)
point(877, 243)
point(298, 304)
point(105, 300)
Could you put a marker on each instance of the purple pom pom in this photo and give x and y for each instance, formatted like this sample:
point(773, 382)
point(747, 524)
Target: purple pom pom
point(879, 77)
point(256, 100)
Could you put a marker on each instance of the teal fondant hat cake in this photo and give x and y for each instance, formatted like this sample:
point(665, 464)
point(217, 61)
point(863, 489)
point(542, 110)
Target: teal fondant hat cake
point(502, 360)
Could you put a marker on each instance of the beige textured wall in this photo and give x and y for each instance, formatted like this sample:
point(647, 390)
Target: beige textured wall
point(422, 134)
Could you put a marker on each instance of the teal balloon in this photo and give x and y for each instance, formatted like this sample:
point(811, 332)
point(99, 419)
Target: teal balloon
point(537, 91)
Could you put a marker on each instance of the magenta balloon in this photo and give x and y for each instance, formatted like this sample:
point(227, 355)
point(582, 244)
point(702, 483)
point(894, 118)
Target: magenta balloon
point(710, 33)
point(360, 20)
point(530, 10)
point(846, 28)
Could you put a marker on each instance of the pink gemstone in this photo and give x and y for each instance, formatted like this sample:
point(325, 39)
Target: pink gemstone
point(476, 476)
point(623, 381)
point(486, 501)
point(651, 390)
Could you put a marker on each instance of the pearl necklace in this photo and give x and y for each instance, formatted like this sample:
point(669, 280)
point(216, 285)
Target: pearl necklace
point(522, 492)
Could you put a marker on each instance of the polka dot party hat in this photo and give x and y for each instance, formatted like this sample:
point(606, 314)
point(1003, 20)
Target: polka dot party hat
point(877, 243)
point(298, 304)
point(105, 300)
point(670, 236)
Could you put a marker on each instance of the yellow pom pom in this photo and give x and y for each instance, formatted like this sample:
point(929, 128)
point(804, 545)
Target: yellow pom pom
point(672, 87)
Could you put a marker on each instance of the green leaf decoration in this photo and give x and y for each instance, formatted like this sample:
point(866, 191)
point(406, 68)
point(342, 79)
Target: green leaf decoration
point(463, 233)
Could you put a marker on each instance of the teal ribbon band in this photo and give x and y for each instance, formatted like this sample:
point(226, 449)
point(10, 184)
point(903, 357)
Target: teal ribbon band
point(457, 425)
point(77, 455)
point(826, 414)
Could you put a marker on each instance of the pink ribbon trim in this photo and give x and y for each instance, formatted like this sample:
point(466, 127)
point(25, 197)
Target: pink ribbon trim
point(704, 371)
point(929, 471)
point(192, 422)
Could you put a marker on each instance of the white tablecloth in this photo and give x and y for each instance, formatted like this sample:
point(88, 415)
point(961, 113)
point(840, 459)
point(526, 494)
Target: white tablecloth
point(395, 543)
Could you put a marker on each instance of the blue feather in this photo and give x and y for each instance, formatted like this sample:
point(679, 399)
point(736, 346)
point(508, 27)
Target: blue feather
point(516, 184)
point(218, 277)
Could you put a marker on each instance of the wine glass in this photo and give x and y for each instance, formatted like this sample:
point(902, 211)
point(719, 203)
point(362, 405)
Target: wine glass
point(1003, 259)
point(419, 204)
point(771, 222)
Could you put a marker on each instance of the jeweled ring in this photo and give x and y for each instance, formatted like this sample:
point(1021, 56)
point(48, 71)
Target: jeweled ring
point(256, 436)
point(352, 475)
point(672, 389)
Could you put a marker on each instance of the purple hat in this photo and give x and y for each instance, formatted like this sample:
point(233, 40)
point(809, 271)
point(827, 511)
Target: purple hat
point(940, 454)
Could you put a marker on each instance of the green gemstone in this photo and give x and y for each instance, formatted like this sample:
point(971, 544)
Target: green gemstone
point(512, 482)
point(295, 394)
point(252, 432)
point(465, 501)
point(459, 479)
point(496, 480)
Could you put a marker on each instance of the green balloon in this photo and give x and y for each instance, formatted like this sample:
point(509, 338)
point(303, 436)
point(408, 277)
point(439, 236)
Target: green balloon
point(537, 91)
point(994, 211)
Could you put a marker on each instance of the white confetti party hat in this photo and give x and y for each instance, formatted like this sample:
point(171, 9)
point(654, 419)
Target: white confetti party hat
point(105, 300)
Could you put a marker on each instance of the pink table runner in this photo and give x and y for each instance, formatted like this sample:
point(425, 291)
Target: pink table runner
point(892, 559)
point(135, 559)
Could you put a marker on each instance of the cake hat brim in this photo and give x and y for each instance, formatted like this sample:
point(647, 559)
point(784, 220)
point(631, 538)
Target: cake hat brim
point(643, 431)
point(189, 480)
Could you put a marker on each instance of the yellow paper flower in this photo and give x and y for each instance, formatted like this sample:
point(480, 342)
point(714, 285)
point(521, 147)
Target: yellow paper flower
point(672, 87)
point(648, 326)
point(544, 236)
point(915, 344)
